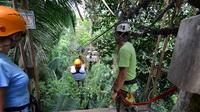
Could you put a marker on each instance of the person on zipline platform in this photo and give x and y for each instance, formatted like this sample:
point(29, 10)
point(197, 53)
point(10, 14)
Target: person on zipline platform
point(125, 83)
point(78, 71)
point(14, 94)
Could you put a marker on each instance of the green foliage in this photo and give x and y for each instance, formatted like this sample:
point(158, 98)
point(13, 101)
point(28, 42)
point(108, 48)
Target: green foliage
point(83, 32)
point(50, 23)
point(59, 91)
point(5, 2)
point(144, 46)
point(66, 95)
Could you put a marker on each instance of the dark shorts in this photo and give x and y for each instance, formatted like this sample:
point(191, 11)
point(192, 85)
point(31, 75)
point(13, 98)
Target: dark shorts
point(17, 109)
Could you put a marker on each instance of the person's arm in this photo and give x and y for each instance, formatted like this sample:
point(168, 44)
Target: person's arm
point(82, 69)
point(119, 82)
point(72, 70)
point(120, 79)
point(2, 95)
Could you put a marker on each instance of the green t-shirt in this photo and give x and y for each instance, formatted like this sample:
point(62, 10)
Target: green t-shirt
point(127, 58)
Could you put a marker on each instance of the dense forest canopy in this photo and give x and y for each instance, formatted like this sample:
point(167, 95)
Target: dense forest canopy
point(60, 36)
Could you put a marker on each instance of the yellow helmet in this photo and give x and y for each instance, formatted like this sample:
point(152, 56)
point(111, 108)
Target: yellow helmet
point(10, 21)
point(77, 62)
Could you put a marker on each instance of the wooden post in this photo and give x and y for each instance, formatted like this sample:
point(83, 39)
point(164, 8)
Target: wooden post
point(187, 102)
point(29, 42)
point(184, 69)
point(22, 58)
point(32, 55)
point(33, 62)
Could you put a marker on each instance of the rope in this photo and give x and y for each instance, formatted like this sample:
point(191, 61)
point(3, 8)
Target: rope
point(164, 94)
point(98, 36)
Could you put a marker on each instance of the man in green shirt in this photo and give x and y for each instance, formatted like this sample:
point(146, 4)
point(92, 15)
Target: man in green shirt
point(125, 82)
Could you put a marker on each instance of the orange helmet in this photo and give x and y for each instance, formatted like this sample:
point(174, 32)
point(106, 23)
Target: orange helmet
point(77, 62)
point(10, 21)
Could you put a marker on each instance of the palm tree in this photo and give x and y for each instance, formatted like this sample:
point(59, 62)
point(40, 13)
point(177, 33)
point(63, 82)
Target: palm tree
point(52, 18)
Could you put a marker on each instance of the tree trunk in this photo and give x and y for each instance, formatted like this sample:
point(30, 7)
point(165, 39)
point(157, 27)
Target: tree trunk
point(187, 102)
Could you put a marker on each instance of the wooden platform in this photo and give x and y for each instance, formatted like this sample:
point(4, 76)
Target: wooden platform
point(139, 108)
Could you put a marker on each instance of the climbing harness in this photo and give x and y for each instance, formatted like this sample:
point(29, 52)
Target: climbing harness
point(130, 102)
point(126, 96)
point(78, 72)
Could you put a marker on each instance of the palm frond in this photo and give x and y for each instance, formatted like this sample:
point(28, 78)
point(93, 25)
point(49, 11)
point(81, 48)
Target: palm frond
point(52, 18)
point(5, 2)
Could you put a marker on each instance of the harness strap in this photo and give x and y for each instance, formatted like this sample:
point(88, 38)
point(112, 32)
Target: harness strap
point(78, 72)
point(162, 95)
point(118, 103)
point(129, 82)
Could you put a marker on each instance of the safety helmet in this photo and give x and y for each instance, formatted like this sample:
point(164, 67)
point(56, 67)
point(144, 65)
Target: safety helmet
point(77, 62)
point(123, 27)
point(10, 22)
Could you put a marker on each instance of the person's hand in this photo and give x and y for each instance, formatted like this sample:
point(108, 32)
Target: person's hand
point(114, 95)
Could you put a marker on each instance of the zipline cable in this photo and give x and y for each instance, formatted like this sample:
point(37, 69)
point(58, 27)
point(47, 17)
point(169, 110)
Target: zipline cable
point(171, 5)
point(97, 37)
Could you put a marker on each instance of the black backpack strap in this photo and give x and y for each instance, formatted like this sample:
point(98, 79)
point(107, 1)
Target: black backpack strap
point(129, 82)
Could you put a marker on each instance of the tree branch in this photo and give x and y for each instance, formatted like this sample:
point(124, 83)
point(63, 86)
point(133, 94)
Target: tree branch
point(163, 31)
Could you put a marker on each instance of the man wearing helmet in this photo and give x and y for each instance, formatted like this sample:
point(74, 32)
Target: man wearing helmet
point(125, 82)
point(14, 94)
point(78, 71)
